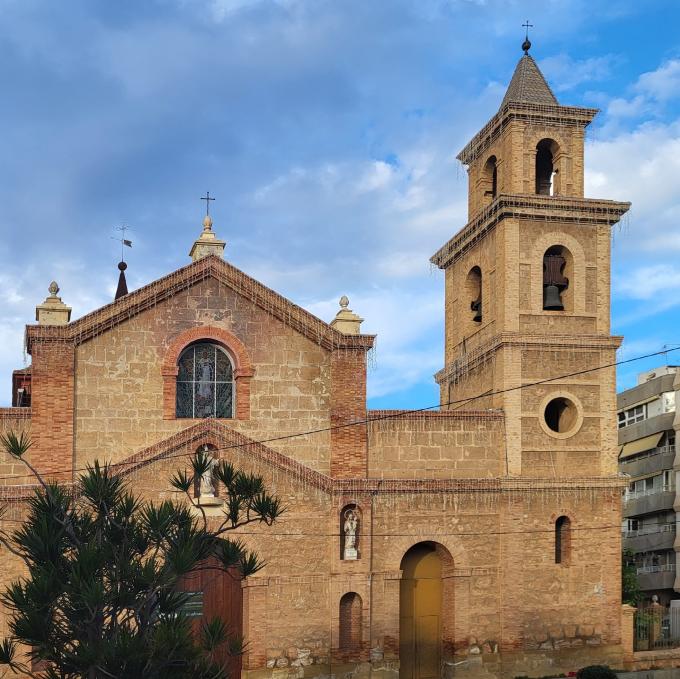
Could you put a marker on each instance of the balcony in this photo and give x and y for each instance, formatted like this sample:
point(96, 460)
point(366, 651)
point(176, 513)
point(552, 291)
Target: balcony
point(652, 425)
point(648, 501)
point(656, 577)
point(650, 539)
point(655, 460)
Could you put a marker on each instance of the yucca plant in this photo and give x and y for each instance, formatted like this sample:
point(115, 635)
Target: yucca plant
point(102, 597)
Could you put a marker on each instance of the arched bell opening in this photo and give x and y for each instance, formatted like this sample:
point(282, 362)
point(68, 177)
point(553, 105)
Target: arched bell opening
point(426, 611)
point(490, 180)
point(473, 293)
point(546, 168)
point(558, 266)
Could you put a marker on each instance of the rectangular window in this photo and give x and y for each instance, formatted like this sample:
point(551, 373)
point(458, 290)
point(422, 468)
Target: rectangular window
point(632, 415)
point(668, 479)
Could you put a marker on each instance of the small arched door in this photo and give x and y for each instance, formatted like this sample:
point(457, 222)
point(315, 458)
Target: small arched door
point(420, 621)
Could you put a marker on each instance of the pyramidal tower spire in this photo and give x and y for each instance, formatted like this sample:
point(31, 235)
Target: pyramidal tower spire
point(528, 86)
point(122, 288)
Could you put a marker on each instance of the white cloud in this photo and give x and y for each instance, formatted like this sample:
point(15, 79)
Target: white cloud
point(661, 84)
point(565, 73)
point(651, 282)
point(650, 93)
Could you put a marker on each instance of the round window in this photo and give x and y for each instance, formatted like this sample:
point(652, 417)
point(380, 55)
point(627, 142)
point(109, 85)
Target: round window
point(562, 416)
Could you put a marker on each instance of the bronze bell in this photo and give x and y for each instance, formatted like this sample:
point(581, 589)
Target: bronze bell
point(476, 306)
point(552, 300)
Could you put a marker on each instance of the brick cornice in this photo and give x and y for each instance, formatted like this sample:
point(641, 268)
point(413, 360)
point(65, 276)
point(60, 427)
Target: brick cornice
point(146, 297)
point(553, 115)
point(15, 414)
point(225, 438)
point(477, 354)
point(561, 209)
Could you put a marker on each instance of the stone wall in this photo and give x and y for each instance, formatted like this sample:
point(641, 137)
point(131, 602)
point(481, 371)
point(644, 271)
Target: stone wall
point(447, 444)
point(14, 420)
point(119, 387)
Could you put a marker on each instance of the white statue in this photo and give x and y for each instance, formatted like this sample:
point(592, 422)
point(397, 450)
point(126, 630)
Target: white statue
point(350, 530)
point(207, 485)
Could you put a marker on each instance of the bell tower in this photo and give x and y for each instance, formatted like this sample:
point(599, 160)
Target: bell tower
point(527, 283)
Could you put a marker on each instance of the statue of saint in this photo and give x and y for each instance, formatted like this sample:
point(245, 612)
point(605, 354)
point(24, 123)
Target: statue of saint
point(207, 486)
point(350, 529)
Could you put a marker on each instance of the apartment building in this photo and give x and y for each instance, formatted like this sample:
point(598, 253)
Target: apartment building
point(648, 424)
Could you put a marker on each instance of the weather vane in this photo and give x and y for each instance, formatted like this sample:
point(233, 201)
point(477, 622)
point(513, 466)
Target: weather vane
point(526, 45)
point(207, 200)
point(124, 242)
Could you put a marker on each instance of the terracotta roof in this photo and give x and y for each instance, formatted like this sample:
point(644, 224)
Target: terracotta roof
point(528, 86)
point(130, 305)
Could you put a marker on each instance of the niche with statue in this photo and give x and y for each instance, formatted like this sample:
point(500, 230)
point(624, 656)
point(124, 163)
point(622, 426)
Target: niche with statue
point(350, 530)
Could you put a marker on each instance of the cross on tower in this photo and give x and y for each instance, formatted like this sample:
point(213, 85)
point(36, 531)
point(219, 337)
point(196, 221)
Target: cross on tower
point(207, 200)
point(526, 45)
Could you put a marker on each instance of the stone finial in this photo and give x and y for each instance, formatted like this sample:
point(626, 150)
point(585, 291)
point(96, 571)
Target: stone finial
point(346, 321)
point(53, 311)
point(207, 243)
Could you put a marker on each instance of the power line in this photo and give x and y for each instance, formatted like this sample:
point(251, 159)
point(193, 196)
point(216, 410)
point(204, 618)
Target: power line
point(268, 534)
point(387, 416)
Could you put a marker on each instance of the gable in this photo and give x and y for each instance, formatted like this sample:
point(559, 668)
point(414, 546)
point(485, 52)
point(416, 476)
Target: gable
point(129, 306)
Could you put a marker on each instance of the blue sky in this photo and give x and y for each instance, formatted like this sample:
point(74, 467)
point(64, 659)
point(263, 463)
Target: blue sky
point(328, 132)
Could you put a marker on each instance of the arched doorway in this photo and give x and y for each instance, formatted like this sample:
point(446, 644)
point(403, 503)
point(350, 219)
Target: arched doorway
point(420, 613)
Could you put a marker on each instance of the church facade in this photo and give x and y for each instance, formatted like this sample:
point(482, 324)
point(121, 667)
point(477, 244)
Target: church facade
point(481, 539)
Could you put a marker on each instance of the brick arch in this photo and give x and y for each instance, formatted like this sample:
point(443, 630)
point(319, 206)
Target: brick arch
point(578, 285)
point(243, 368)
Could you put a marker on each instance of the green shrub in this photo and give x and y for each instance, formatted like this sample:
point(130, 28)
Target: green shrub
point(596, 672)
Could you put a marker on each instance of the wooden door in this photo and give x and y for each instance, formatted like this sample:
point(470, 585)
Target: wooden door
point(420, 614)
point(219, 595)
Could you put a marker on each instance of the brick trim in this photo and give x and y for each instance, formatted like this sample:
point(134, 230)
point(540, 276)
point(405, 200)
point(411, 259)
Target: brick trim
point(243, 368)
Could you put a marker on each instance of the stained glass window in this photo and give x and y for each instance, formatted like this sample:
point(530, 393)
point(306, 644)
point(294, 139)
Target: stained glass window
point(205, 382)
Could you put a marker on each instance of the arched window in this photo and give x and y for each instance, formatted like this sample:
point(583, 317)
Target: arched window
point(546, 150)
point(562, 540)
point(490, 178)
point(350, 623)
point(205, 382)
point(557, 265)
point(473, 289)
point(350, 531)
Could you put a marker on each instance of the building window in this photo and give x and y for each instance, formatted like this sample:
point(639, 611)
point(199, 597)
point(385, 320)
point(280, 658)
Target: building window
point(205, 382)
point(350, 623)
point(632, 415)
point(562, 540)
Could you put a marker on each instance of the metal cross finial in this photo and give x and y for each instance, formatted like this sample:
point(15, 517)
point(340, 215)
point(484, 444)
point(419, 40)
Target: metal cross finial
point(526, 45)
point(207, 200)
point(123, 241)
